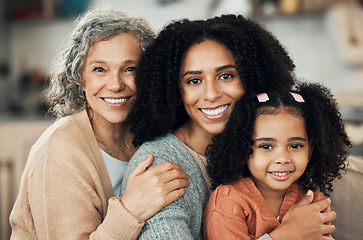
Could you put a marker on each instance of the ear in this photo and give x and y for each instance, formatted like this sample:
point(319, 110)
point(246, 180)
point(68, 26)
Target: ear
point(83, 85)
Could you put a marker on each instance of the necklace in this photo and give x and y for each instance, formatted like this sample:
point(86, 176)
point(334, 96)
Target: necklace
point(108, 150)
point(199, 159)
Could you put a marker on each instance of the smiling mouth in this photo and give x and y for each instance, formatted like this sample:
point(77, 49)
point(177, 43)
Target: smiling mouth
point(281, 174)
point(213, 112)
point(116, 100)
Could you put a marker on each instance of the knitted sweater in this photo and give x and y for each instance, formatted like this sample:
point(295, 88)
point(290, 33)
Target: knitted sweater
point(181, 219)
point(65, 190)
point(239, 211)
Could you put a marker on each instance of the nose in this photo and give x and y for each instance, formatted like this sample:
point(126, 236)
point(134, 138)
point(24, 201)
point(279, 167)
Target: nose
point(115, 82)
point(282, 157)
point(211, 90)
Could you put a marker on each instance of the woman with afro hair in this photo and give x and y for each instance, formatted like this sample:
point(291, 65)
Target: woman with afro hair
point(187, 83)
point(275, 146)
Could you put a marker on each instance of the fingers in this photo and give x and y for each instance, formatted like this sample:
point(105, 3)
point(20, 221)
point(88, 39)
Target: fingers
point(309, 197)
point(166, 172)
point(143, 165)
point(174, 195)
point(176, 184)
point(166, 166)
point(329, 216)
point(328, 229)
point(322, 204)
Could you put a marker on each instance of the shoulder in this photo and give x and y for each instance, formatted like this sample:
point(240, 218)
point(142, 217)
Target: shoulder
point(66, 128)
point(240, 191)
point(165, 148)
point(68, 139)
point(232, 200)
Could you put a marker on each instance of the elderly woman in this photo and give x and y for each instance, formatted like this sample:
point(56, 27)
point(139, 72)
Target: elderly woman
point(75, 169)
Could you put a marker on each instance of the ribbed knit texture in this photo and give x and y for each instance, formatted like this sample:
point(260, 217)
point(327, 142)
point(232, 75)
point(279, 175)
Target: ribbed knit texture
point(239, 211)
point(181, 219)
point(65, 190)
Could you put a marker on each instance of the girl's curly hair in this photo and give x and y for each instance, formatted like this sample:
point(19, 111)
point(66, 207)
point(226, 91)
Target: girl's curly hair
point(65, 95)
point(229, 151)
point(263, 64)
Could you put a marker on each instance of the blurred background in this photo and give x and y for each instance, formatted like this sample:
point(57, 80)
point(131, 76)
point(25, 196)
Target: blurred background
point(324, 38)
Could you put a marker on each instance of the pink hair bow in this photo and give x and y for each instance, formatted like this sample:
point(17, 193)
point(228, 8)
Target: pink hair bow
point(297, 97)
point(262, 97)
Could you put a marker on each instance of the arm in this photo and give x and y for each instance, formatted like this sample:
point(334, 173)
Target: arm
point(58, 202)
point(306, 220)
point(222, 220)
point(148, 191)
point(182, 218)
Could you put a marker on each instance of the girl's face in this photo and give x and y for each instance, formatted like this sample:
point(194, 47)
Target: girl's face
point(108, 75)
point(281, 151)
point(209, 85)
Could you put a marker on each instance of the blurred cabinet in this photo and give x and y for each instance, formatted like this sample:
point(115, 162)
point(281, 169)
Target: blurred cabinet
point(30, 9)
point(44, 9)
point(268, 8)
point(16, 140)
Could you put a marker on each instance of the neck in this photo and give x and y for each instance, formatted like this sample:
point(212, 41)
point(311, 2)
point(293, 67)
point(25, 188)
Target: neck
point(194, 137)
point(273, 199)
point(115, 139)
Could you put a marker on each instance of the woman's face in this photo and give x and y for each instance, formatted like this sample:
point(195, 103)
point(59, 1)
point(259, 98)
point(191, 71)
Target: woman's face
point(108, 75)
point(209, 85)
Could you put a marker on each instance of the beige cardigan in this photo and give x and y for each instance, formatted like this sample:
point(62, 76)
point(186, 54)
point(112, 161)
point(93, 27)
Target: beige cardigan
point(65, 190)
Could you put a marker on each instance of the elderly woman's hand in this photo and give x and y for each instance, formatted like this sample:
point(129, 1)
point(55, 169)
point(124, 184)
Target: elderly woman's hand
point(148, 191)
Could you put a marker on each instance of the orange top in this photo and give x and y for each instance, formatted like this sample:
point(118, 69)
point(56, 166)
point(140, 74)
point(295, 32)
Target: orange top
point(239, 211)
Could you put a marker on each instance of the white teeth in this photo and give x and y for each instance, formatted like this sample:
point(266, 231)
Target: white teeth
point(115, 100)
point(280, 173)
point(215, 111)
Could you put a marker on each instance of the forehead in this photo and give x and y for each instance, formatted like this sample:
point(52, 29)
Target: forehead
point(207, 54)
point(123, 44)
point(281, 125)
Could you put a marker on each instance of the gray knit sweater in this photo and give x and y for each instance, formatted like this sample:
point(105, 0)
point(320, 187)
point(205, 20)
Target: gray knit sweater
point(181, 219)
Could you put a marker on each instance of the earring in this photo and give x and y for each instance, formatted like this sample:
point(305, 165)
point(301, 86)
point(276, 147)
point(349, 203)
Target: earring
point(178, 102)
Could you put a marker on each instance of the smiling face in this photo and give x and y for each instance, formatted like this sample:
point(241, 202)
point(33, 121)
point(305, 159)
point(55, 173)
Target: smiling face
point(209, 86)
point(108, 75)
point(281, 151)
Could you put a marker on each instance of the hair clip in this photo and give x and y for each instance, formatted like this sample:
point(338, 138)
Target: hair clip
point(262, 97)
point(297, 97)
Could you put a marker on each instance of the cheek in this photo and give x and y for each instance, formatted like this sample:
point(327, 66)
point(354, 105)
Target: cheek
point(129, 81)
point(188, 95)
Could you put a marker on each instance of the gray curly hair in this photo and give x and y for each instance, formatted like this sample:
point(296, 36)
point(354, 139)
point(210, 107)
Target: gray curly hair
point(64, 94)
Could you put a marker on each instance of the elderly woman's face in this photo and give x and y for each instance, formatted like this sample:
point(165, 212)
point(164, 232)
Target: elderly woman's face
point(209, 85)
point(108, 75)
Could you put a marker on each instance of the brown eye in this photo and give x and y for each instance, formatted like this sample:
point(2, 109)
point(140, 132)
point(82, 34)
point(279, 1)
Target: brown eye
point(194, 81)
point(225, 76)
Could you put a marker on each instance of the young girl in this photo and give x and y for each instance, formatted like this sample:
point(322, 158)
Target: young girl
point(275, 147)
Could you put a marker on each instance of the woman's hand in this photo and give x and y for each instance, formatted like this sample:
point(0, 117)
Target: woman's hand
point(148, 191)
point(306, 221)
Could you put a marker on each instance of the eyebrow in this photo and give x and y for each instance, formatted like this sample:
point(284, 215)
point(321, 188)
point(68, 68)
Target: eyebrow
point(225, 67)
point(217, 70)
point(274, 140)
point(103, 61)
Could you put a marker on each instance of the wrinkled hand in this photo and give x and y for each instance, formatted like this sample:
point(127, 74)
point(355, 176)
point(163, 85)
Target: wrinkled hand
point(148, 191)
point(306, 221)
